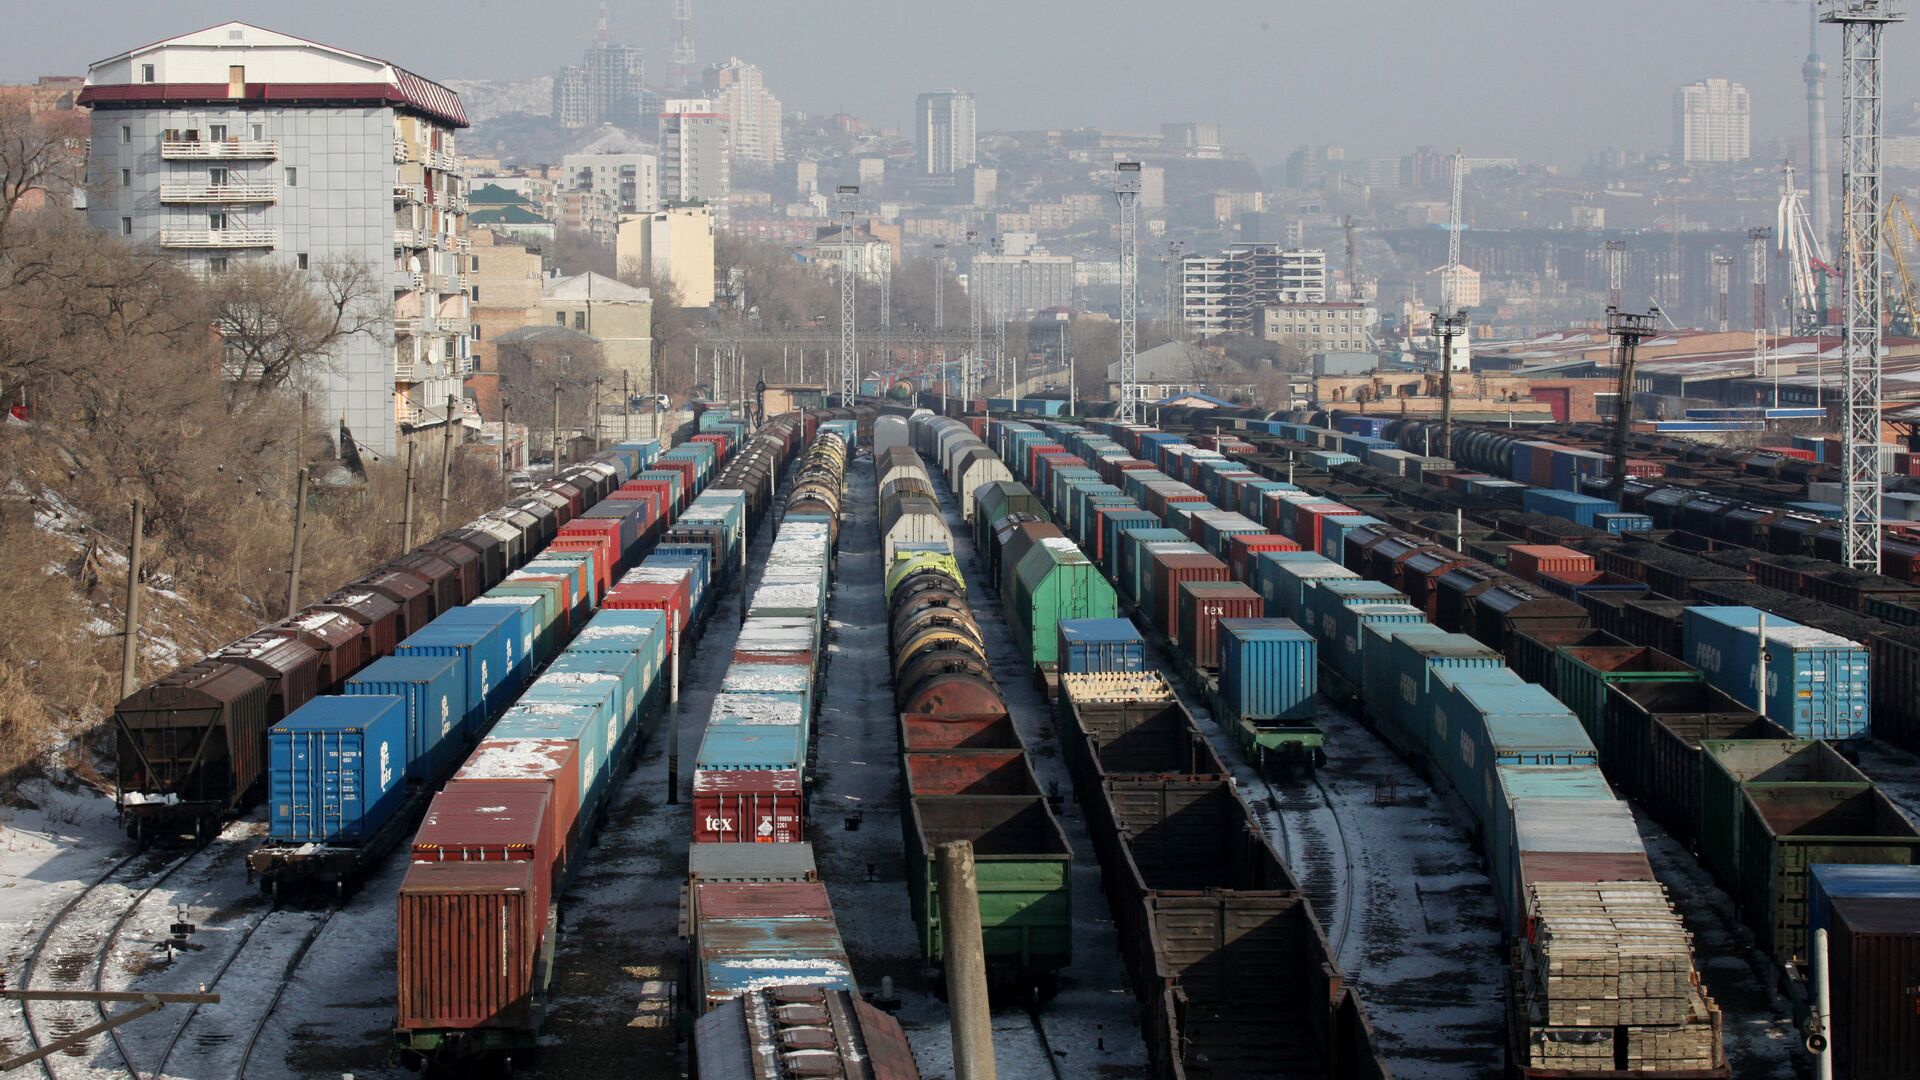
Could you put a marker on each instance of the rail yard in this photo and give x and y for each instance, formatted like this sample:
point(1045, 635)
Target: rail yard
point(1277, 749)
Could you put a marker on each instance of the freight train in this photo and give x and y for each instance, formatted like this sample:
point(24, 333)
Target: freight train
point(1563, 853)
point(978, 786)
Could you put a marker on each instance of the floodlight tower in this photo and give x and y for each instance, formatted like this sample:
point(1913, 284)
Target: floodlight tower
point(1616, 270)
point(940, 320)
point(1722, 287)
point(970, 371)
point(849, 346)
point(1126, 189)
point(1762, 321)
point(1862, 27)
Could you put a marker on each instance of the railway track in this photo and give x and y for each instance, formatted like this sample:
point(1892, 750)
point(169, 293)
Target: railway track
point(1324, 859)
point(72, 950)
point(257, 987)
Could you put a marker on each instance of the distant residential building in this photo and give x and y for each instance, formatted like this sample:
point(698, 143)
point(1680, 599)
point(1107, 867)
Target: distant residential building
point(48, 93)
point(1153, 187)
point(872, 172)
point(739, 91)
point(1316, 328)
point(695, 157)
point(944, 132)
point(806, 179)
point(236, 144)
point(1425, 168)
point(632, 179)
point(605, 87)
point(1588, 217)
point(1199, 140)
point(1901, 151)
point(1466, 287)
point(1307, 167)
point(505, 290)
point(1180, 367)
point(619, 315)
point(1712, 122)
point(518, 222)
point(674, 243)
point(872, 256)
point(1012, 285)
point(1224, 294)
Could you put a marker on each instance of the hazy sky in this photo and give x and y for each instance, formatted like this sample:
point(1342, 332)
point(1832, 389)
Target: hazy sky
point(1530, 78)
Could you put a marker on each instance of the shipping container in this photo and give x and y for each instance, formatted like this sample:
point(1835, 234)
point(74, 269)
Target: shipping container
point(1269, 669)
point(1817, 684)
point(469, 944)
point(336, 769)
point(1873, 949)
point(1109, 644)
point(551, 766)
point(1785, 829)
point(751, 936)
point(481, 649)
point(1202, 604)
point(1055, 581)
point(434, 693)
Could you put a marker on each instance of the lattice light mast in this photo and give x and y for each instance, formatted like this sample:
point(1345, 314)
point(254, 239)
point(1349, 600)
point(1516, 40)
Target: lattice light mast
point(1126, 189)
point(1629, 330)
point(1722, 289)
point(849, 345)
point(940, 320)
point(1862, 28)
point(970, 371)
point(1616, 270)
point(1762, 321)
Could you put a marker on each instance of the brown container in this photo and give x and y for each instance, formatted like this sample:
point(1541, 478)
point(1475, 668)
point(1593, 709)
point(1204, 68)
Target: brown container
point(1895, 658)
point(441, 577)
point(198, 733)
point(969, 772)
point(1874, 954)
point(468, 937)
point(1421, 575)
point(290, 666)
point(468, 568)
point(550, 765)
point(1170, 568)
point(1654, 730)
point(1202, 605)
point(379, 613)
point(1133, 740)
point(923, 733)
point(1528, 561)
point(342, 644)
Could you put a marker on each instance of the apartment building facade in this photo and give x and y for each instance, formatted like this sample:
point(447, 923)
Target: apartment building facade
point(1317, 328)
point(944, 132)
point(1225, 293)
point(237, 143)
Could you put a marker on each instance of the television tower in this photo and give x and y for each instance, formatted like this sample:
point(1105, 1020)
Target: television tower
point(1863, 25)
point(1814, 71)
point(680, 72)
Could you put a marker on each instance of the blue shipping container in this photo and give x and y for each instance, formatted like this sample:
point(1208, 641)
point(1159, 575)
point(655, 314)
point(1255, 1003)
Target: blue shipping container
point(1269, 669)
point(435, 696)
point(1817, 682)
point(335, 769)
point(482, 652)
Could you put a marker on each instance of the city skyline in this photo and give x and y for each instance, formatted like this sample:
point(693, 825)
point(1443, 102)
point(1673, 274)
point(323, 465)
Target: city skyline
point(1596, 99)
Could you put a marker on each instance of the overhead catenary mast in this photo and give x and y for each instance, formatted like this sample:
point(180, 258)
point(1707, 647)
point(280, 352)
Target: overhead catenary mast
point(1722, 289)
point(1863, 26)
point(1616, 270)
point(1126, 189)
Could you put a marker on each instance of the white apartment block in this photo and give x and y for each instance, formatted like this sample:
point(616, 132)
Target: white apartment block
point(236, 143)
point(1224, 294)
point(632, 180)
point(944, 132)
point(1013, 285)
point(740, 91)
point(1314, 328)
point(1712, 122)
point(696, 147)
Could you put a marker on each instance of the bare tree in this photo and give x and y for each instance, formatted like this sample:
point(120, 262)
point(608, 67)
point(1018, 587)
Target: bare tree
point(279, 325)
point(41, 158)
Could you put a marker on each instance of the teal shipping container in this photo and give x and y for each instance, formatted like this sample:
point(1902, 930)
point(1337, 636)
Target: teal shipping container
point(639, 632)
point(1269, 669)
point(1109, 644)
point(583, 725)
point(1817, 683)
point(1416, 660)
point(484, 656)
point(589, 665)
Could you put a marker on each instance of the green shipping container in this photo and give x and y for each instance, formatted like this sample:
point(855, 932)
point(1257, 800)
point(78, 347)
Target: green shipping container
point(1582, 673)
point(1023, 871)
point(1056, 581)
point(1786, 828)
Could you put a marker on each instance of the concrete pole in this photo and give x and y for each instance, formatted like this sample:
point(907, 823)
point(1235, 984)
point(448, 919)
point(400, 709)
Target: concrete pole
point(406, 505)
point(446, 460)
point(966, 963)
point(506, 457)
point(673, 724)
point(593, 413)
point(1821, 1039)
point(300, 539)
point(130, 629)
point(556, 427)
point(626, 406)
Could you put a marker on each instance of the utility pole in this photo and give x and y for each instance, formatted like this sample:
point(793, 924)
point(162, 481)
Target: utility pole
point(966, 963)
point(446, 461)
point(593, 413)
point(1616, 270)
point(506, 454)
point(849, 350)
point(1447, 325)
point(558, 443)
point(1629, 329)
point(406, 504)
point(626, 405)
point(130, 628)
point(300, 538)
point(970, 371)
point(1862, 25)
point(1126, 190)
point(1353, 263)
point(1073, 377)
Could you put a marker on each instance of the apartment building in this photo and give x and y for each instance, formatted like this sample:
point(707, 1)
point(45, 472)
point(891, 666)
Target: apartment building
point(237, 143)
point(944, 132)
point(674, 243)
point(506, 282)
point(696, 144)
point(740, 91)
point(1317, 328)
point(1712, 122)
point(1225, 293)
point(1014, 285)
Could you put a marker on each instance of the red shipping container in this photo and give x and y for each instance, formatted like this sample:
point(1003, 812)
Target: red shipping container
point(1170, 568)
point(485, 822)
point(1033, 456)
point(719, 442)
point(1307, 519)
point(571, 587)
point(550, 765)
point(1528, 561)
point(674, 598)
point(1243, 547)
point(1653, 470)
point(759, 806)
point(468, 937)
point(688, 484)
point(605, 553)
point(1202, 605)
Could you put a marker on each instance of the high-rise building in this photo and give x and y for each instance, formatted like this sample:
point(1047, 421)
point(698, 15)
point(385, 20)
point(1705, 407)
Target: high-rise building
point(1712, 122)
point(944, 131)
point(1224, 294)
point(695, 150)
point(236, 144)
point(739, 91)
point(605, 87)
point(1015, 285)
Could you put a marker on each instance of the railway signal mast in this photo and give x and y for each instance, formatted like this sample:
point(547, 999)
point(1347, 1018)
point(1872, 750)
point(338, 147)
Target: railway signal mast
point(970, 371)
point(940, 320)
point(1862, 28)
point(849, 351)
point(1126, 189)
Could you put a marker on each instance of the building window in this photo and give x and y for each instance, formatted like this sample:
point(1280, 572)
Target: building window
point(217, 132)
point(217, 264)
point(146, 72)
point(293, 176)
point(126, 226)
point(476, 267)
point(126, 177)
point(301, 260)
point(579, 320)
point(217, 175)
point(126, 133)
point(259, 132)
point(476, 294)
point(216, 220)
point(476, 331)
point(559, 318)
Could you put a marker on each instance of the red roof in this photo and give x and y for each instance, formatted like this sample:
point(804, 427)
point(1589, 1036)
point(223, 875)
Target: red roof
point(413, 92)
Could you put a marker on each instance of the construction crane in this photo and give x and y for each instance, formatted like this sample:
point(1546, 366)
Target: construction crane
point(1899, 222)
point(1808, 270)
point(1863, 25)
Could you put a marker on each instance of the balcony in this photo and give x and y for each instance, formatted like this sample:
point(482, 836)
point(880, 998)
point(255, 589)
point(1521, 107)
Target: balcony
point(400, 150)
point(257, 192)
point(406, 371)
point(440, 159)
point(407, 238)
point(450, 324)
point(219, 238)
point(221, 150)
point(412, 193)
